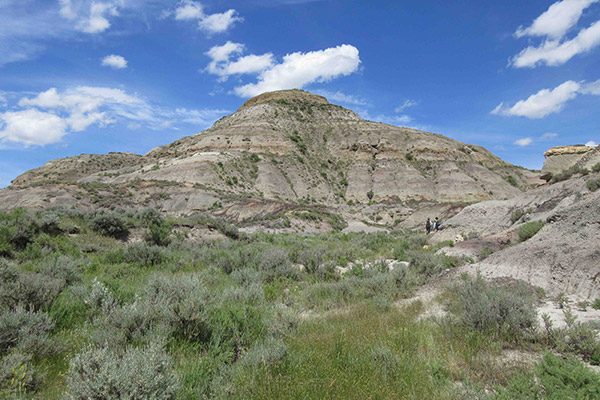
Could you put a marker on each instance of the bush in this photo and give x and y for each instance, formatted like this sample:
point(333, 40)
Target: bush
point(568, 173)
point(575, 338)
point(485, 253)
point(275, 263)
point(61, 267)
point(528, 230)
point(596, 167)
point(49, 223)
point(506, 310)
point(511, 179)
point(426, 264)
point(25, 330)
point(110, 224)
point(173, 307)
point(31, 290)
point(100, 298)
point(148, 216)
point(135, 373)
point(158, 234)
point(131, 323)
point(593, 184)
point(18, 374)
point(183, 302)
point(17, 230)
point(554, 378)
point(143, 254)
point(516, 215)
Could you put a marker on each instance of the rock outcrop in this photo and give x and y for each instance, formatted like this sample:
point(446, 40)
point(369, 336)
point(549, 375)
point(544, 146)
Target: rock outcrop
point(288, 147)
point(561, 158)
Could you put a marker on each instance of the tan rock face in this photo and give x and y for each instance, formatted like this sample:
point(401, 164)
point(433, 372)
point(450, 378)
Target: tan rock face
point(562, 150)
point(564, 157)
point(290, 147)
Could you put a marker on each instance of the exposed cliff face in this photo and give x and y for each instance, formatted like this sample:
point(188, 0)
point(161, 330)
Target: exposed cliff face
point(290, 147)
point(561, 158)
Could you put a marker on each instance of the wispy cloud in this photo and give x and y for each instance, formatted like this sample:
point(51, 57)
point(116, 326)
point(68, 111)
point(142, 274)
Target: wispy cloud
point(403, 120)
point(406, 104)
point(549, 135)
point(553, 25)
point(342, 97)
point(52, 114)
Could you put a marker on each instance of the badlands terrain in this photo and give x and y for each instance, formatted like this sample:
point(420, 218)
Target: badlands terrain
point(281, 253)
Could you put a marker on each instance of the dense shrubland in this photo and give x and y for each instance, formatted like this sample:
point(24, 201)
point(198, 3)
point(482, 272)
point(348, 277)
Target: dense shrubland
point(90, 310)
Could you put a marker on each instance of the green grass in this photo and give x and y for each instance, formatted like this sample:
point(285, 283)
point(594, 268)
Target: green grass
point(361, 354)
point(235, 318)
point(365, 352)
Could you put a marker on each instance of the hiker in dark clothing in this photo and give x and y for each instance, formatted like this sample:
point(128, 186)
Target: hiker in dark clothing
point(428, 226)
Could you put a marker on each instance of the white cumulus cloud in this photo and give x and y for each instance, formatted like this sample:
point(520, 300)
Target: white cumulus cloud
point(542, 103)
point(299, 69)
point(553, 25)
point(591, 143)
point(90, 16)
point(50, 115)
point(548, 101)
point(189, 10)
point(217, 23)
point(554, 52)
point(223, 66)
point(32, 127)
point(523, 142)
point(114, 61)
point(557, 20)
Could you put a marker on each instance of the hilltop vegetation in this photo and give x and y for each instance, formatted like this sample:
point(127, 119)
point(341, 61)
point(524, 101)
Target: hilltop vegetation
point(113, 305)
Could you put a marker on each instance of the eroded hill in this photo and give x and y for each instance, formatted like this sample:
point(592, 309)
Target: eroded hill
point(280, 151)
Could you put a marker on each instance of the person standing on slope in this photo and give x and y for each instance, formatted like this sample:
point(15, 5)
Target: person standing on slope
point(428, 226)
point(436, 224)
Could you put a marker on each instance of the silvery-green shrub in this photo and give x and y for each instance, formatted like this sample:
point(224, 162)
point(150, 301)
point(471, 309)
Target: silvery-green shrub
point(104, 373)
point(25, 330)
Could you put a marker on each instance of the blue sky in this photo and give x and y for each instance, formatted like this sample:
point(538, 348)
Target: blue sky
point(94, 76)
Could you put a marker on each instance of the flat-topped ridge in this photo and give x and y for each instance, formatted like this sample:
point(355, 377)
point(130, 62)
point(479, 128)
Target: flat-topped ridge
point(285, 95)
point(574, 149)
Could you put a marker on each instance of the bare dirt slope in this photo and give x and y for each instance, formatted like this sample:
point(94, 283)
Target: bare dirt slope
point(564, 256)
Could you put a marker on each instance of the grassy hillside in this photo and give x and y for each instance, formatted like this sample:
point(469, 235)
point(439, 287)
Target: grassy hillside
point(135, 305)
